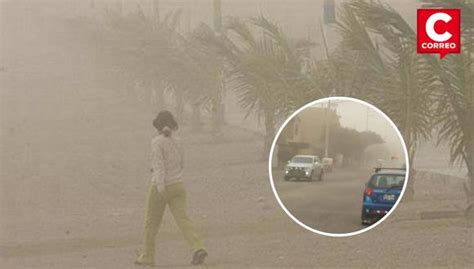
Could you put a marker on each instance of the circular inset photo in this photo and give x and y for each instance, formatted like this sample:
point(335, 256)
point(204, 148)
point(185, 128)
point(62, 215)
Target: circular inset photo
point(338, 166)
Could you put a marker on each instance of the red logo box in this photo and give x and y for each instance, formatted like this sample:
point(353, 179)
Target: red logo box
point(439, 31)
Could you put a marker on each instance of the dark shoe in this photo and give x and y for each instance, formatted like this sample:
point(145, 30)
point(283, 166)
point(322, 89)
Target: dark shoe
point(199, 256)
point(144, 260)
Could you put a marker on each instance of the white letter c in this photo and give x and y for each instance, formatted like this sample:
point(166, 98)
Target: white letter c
point(430, 23)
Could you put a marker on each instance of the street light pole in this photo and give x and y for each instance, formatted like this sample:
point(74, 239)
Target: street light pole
point(329, 17)
point(326, 142)
point(326, 114)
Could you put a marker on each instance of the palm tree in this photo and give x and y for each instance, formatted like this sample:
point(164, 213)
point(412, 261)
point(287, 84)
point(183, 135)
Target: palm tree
point(412, 88)
point(206, 71)
point(381, 47)
point(357, 61)
point(144, 50)
point(455, 106)
point(148, 54)
point(264, 68)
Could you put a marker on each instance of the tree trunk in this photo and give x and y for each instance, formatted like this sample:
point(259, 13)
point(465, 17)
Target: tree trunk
point(470, 145)
point(269, 133)
point(470, 195)
point(470, 175)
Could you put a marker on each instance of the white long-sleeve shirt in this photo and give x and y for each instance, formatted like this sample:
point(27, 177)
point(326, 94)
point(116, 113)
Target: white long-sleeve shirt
point(166, 160)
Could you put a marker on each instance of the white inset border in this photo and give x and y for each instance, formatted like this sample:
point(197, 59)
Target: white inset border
point(337, 98)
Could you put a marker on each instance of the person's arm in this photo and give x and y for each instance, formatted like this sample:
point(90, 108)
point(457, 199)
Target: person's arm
point(157, 166)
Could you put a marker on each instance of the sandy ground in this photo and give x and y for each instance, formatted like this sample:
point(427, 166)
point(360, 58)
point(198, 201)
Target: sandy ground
point(74, 173)
point(78, 218)
point(332, 205)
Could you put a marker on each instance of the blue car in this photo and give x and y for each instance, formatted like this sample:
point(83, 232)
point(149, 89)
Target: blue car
point(381, 193)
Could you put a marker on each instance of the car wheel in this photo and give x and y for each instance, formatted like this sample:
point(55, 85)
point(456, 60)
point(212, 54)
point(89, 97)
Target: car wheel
point(366, 220)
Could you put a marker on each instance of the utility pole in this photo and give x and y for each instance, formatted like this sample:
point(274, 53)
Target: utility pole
point(327, 132)
point(329, 16)
point(325, 43)
point(326, 142)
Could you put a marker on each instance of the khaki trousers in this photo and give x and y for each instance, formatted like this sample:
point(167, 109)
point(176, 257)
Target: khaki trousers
point(174, 196)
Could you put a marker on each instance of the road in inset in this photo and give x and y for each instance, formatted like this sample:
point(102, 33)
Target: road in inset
point(332, 205)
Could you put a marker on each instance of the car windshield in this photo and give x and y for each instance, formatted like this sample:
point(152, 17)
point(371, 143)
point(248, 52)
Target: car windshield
point(299, 159)
point(387, 181)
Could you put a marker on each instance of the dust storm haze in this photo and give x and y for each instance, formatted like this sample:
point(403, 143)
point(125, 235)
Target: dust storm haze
point(350, 139)
point(76, 110)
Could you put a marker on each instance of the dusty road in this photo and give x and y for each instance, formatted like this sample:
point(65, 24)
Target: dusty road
point(332, 205)
point(87, 212)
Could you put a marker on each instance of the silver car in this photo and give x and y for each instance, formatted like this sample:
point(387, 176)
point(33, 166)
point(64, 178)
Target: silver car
point(307, 167)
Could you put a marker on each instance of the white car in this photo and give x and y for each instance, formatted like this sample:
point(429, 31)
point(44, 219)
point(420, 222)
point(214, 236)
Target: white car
point(307, 167)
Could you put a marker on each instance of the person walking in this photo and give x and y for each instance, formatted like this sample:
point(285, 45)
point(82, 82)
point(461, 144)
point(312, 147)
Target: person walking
point(167, 189)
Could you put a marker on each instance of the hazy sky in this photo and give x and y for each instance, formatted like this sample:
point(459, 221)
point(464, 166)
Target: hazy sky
point(299, 18)
point(354, 115)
